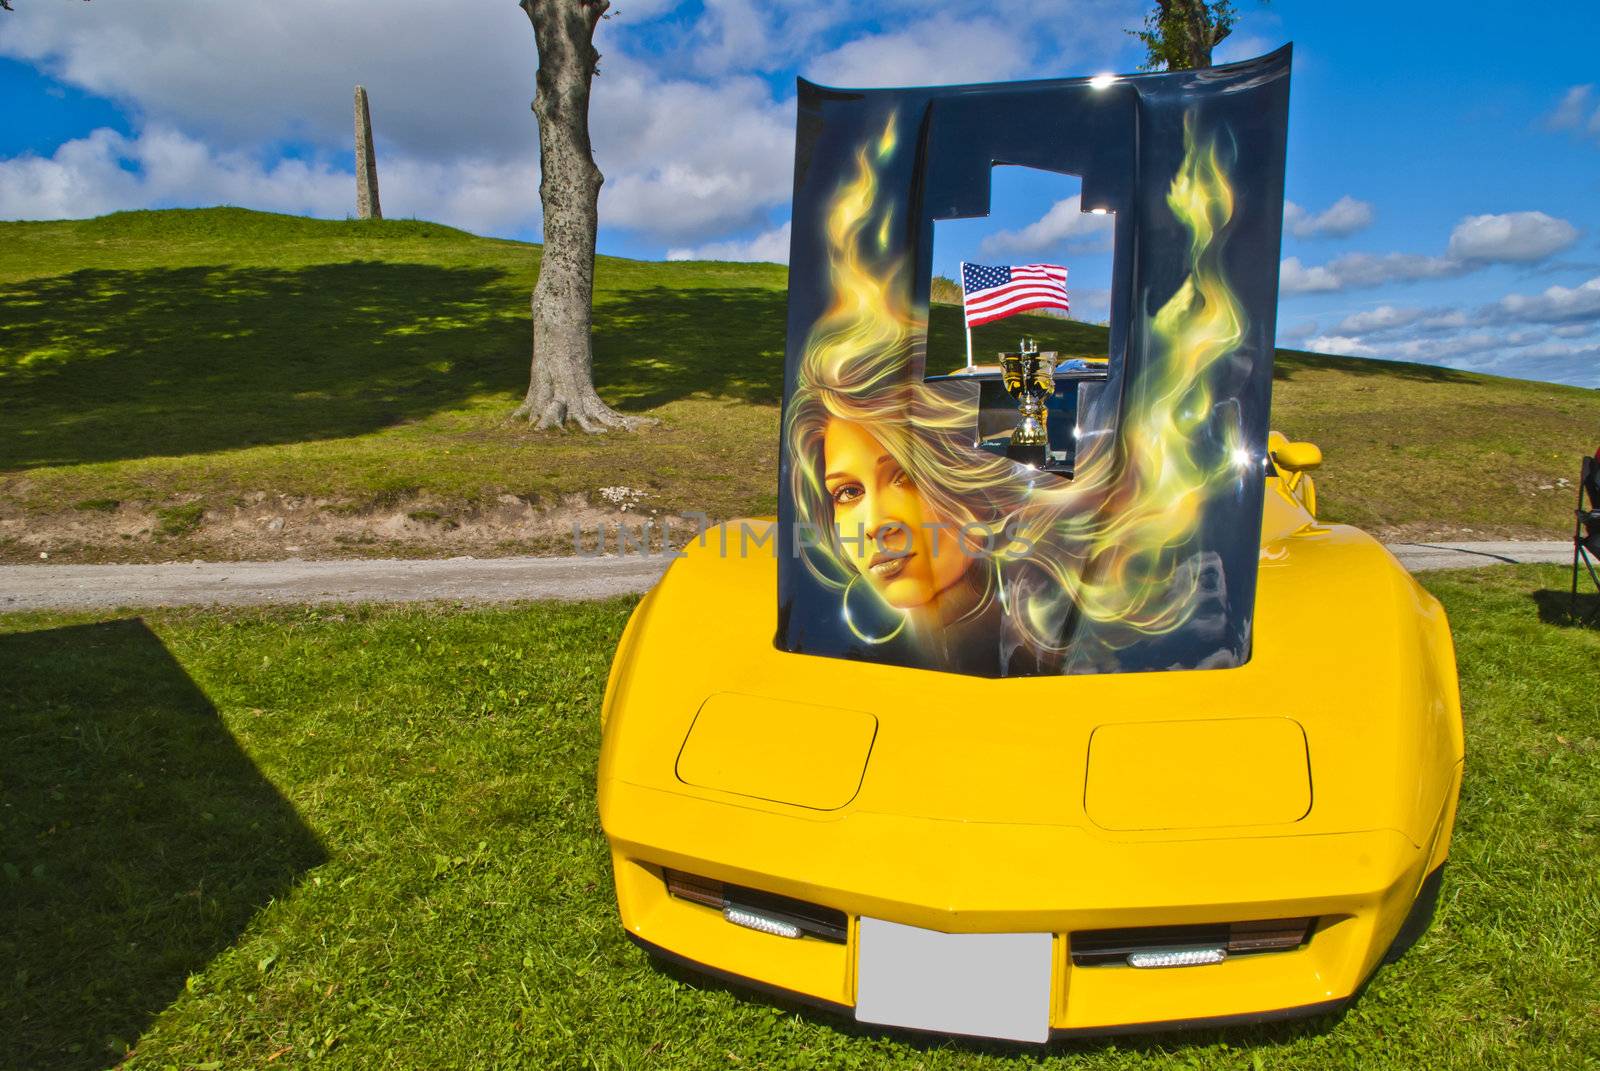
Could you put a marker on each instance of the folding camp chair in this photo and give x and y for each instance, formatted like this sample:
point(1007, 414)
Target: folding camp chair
point(1586, 534)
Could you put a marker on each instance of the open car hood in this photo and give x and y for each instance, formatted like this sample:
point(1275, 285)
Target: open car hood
point(1143, 555)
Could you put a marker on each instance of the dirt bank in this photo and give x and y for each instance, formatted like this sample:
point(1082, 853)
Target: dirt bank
point(266, 528)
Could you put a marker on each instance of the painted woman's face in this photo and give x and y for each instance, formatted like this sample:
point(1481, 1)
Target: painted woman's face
point(902, 556)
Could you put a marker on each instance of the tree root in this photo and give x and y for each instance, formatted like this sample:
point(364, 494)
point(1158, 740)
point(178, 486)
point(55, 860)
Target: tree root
point(589, 414)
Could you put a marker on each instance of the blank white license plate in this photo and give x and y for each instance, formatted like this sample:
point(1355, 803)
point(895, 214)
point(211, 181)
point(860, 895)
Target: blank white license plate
point(992, 985)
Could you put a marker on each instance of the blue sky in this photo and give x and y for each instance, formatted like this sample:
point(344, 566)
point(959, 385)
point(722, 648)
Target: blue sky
point(1444, 160)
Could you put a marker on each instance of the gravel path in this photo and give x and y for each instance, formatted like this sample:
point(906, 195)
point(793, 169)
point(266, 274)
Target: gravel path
point(1420, 557)
point(84, 587)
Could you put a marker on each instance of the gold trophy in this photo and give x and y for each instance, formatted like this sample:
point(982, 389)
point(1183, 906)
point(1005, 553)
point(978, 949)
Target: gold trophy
point(1030, 378)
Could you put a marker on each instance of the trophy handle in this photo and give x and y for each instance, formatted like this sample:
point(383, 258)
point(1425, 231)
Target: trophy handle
point(1044, 377)
point(1011, 373)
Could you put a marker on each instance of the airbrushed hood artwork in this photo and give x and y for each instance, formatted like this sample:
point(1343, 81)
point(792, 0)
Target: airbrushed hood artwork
point(904, 537)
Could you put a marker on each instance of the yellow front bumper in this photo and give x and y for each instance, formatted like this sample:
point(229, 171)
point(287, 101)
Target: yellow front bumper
point(965, 877)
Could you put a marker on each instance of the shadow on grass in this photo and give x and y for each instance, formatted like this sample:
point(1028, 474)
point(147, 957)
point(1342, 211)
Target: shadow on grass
point(138, 840)
point(1557, 608)
point(947, 343)
point(106, 365)
point(657, 345)
point(109, 365)
point(660, 344)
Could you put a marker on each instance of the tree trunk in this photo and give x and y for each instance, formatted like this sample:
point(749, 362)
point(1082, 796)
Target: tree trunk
point(366, 162)
point(560, 382)
point(1199, 35)
point(1182, 33)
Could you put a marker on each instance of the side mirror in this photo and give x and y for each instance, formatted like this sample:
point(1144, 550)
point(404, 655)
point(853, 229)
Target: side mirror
point(1297, 457)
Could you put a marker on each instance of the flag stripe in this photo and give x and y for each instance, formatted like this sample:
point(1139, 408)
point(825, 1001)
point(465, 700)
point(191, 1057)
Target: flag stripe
point(1011, 304)
point(979, 321)
point(993, 298)
point(991, 292)
point(1017, 305)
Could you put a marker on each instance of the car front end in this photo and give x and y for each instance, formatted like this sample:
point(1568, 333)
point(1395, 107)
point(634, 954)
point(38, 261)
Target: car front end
point(1182, 847)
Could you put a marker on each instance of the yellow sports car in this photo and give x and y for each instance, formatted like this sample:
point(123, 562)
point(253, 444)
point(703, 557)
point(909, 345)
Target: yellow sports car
point(1045, 705)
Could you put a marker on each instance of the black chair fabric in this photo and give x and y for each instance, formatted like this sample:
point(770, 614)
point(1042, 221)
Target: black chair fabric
point(1589, 516)
point(1586, 533)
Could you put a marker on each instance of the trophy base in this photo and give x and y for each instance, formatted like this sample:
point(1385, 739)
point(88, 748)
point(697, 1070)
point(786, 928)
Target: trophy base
point(1035, 454)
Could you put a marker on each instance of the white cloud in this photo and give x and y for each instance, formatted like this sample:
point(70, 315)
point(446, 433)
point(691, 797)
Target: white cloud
point(952, 41)
point(1512, 237)
point(1574, 112)
point(1295, 278)
point(483, 196)
point(1546, 335)
point(1476, 242)
point(1557, 304)
point(1552, 335)
point(936, 51)
point(1077, 37)
point(1238, 47)
point(1524, 356)
point(107, 171)
point(772, 245)
point(742, 36)
point(1354, 270)
point(1382, 318)
point(1065, 225)
point(1576, 365)
point(1299, 332)
point(1562, 349)
point(450, 87)
point(1444, 320)
point(1340, 344)
point(443, 78)
point(1344, 217)
point(1090, 305)
point(1358, 270)
point(733, 35)
point(1388, 319)
point(685, 160)
point(160, 167)
point(1565, 354)
point(82, 178)
point(1433, 349)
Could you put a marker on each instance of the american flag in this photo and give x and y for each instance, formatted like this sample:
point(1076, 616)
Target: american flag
point(993, 292)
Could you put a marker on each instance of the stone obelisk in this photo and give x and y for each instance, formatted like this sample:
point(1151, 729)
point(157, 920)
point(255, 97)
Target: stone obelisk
point(366, 162)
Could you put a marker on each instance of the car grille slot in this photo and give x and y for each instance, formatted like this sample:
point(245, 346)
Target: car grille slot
point(813, 920)
point(1102, 948)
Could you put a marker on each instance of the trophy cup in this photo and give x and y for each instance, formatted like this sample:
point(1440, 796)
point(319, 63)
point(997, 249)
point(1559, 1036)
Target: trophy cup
point(1030, 378)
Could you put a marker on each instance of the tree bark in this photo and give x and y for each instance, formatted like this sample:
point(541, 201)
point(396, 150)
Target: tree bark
point(560, 381)
point(367, 206)
point(1182, 33)
point(1199, 36)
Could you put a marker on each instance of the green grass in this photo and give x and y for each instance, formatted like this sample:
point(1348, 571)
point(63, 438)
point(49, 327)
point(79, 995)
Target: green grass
point(178, 520)
point(367, 838)
point(217, 355)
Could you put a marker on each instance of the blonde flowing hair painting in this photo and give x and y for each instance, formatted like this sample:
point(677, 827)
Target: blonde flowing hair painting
point(1105, 552)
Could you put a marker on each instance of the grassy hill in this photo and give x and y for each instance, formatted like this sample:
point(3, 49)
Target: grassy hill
point(221, 382)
